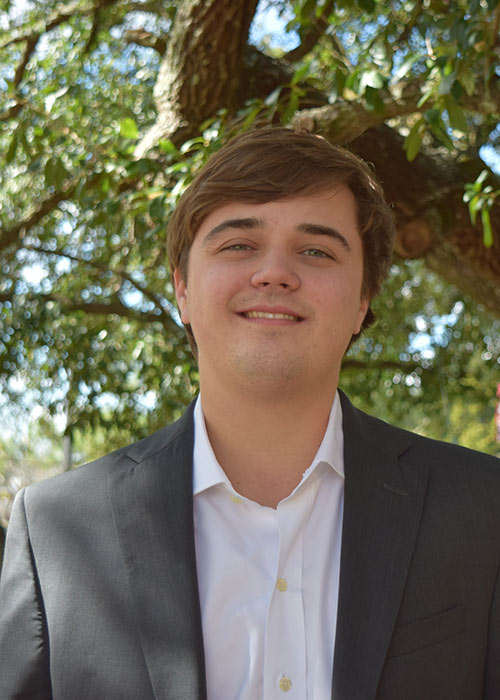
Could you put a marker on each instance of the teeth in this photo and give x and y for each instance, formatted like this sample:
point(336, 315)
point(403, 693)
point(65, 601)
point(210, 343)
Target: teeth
point(266, 314)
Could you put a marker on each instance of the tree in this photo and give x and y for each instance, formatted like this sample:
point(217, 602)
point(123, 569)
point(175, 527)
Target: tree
point(111, 106)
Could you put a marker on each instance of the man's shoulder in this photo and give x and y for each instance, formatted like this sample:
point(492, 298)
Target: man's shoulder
point(90, 478)
point(411, 445)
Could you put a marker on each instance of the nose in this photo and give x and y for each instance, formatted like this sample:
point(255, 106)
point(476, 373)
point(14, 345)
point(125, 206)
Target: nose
point(275, 270)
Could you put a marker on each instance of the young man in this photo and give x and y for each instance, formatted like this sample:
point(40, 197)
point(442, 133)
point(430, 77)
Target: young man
point(274, 542)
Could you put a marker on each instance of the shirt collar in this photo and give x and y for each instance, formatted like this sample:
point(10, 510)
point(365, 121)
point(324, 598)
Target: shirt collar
point(207, 472)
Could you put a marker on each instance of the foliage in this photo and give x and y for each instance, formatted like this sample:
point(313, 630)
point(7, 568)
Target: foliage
point(481, 199)
point(431, 363)
point(88, 328)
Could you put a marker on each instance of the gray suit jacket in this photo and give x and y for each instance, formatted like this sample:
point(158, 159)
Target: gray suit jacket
point(99, 599)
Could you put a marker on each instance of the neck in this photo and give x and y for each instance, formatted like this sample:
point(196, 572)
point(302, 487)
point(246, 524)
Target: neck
point(265, 445)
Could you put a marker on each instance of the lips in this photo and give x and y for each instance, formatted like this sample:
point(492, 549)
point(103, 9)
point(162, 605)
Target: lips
point(271, 315)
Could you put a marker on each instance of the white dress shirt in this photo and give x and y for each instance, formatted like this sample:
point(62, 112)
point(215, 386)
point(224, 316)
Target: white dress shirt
point(268, 578)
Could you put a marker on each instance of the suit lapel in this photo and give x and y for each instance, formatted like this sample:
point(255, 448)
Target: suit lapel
point(382, 508)
point(152, 503)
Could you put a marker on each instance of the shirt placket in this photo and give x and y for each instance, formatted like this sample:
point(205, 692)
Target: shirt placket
point(285, 671)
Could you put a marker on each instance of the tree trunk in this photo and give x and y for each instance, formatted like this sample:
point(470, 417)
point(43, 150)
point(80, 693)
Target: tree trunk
point(208, 66)
point(200, 71)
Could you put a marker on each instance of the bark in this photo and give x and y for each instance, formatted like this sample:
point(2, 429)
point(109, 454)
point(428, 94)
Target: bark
point(206, 67)
point(201, 67)
point(432, 220)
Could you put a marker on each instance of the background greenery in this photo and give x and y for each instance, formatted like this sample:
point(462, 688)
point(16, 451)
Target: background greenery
point(108, 108)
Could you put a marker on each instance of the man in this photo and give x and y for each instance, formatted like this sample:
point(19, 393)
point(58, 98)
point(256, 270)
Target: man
point(274, 542)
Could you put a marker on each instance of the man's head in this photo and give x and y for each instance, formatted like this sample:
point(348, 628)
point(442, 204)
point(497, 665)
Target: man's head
point(277, 164)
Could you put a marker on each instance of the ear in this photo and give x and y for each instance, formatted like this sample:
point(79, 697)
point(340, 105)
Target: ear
point(363, 309)
point(180, 287)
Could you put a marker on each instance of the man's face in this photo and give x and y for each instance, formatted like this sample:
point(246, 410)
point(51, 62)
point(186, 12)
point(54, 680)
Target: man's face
point(273, 291)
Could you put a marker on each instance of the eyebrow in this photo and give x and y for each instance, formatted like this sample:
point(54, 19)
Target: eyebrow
point(250, 223)
point(322, 230)
point(242, 224)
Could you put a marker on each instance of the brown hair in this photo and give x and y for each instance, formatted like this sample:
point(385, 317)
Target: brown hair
point(278, 163)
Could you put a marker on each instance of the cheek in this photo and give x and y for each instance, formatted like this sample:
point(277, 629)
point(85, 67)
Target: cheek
point(206, 298)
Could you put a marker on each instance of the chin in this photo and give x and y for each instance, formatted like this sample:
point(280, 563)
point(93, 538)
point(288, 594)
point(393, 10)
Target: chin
point(271, 368)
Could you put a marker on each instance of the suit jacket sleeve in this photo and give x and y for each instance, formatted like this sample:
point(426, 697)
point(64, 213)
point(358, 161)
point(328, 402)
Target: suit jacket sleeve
point(24, 652)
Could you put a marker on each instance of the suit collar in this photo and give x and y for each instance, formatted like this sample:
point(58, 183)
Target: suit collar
point(382, 508)
point(151, 497)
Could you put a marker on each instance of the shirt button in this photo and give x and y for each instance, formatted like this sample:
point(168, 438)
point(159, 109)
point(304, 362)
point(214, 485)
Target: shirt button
point(282, 585)
point(285, 684)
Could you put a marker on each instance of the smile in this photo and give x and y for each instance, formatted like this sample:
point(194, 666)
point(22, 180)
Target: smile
point(267, 314)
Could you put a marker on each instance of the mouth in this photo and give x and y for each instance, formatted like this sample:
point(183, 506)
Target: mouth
point(272, 315)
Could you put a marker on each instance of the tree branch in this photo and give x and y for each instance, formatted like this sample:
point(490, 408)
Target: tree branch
point(344, 121)
point(147, 39)
point(53, 21)
point(96, 15)
point(196, 77)
point(102, 308)
point(9, 236)
point(428, 195)
point(156, 299)
point(32, 38)
point(310, 38)
point(12, 111)
point(28, 51)
point(403, 37)
point(494, 39)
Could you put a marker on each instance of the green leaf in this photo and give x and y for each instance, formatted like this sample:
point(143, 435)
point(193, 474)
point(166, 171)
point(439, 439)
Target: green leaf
point(438, 128)
point(428, 91)
point(300, 74)
point(405, 67)
point(474, 206)
point(293, 104)
point(179, 187)
point(371, 78)
point(414, 140)
point(55, 172)
point(446, 84)
point(188, 145)
point(11, 151)
point(340, 79)
point(367, 5)
point(128, 128)
point(105, 183)
point(252, 115)
point(353, 80)
point(456, 115)
point(478, 182)
point(374, 100)
point(467, 80)
point(157, 208)
point(307, 9)
point(487, 230)
point(167, 147)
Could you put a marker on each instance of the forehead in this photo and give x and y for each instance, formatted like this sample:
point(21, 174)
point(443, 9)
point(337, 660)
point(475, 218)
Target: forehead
point(335, 207)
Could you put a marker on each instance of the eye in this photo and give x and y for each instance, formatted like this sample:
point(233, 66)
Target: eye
point(236, 247)
point(316, 253)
